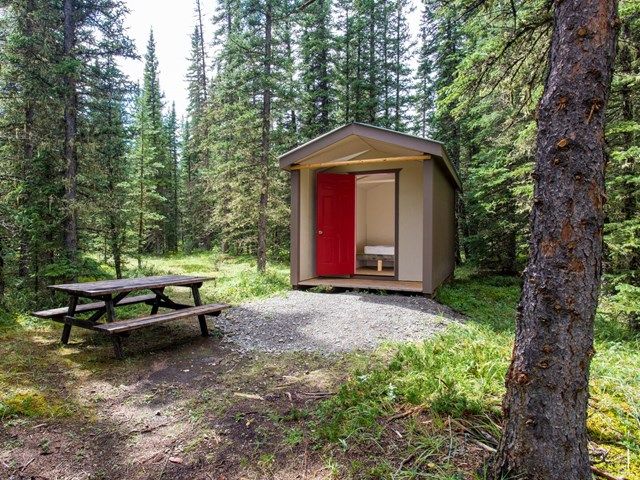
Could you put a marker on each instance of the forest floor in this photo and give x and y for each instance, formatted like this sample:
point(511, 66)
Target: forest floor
point(183, 407)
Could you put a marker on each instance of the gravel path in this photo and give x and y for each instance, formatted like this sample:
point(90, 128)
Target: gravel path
point(331, 323)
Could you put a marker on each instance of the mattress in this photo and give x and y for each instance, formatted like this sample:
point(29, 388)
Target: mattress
point(379, 250)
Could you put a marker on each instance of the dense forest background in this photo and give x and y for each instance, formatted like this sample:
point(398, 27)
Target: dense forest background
point(95, 168)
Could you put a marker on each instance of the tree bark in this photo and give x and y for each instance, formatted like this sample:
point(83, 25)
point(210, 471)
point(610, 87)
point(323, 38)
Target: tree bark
point(70, 119)
point(266, 143)
point(547, 383)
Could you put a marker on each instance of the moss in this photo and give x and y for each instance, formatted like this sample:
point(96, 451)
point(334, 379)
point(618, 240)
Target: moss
point(33, 404)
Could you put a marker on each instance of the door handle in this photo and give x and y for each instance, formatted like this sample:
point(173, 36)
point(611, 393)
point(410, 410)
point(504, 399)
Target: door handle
point(319, 232)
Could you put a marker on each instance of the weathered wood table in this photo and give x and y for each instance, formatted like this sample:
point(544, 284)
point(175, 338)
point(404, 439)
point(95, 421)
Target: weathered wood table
point(115, 293)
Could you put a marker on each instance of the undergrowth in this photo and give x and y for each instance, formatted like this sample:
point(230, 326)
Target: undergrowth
point(458, 377)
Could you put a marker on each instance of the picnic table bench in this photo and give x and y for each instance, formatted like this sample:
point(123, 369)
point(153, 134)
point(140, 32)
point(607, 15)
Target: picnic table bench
point(115, 293)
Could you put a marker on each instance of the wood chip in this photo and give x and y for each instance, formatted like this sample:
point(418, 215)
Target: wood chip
point(176, 460)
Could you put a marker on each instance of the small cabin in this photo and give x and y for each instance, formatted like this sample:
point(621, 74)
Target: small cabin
point(372, 208)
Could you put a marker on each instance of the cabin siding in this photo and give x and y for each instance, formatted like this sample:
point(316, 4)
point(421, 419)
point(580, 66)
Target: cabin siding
point(307, 224)
point(443, 263)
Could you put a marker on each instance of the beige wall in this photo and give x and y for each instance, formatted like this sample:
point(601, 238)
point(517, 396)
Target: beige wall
point(380, 214)
point(361, 218)
point(307, 224)
point(375, 214)
point(443, 227)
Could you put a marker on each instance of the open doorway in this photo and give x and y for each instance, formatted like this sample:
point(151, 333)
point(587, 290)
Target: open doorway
point(376, 232)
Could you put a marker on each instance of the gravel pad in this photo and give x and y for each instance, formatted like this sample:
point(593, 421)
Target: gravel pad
point(332, 323)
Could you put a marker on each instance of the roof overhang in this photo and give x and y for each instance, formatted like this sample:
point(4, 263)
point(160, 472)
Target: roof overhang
point(369, 143)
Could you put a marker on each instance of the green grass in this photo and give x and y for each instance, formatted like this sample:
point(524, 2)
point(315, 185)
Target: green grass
point(455, 381)
point(459, 375)
point(34, 367)
point(236, 278)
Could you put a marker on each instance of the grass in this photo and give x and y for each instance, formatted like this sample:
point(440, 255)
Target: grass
point(407, 411)
point(457, 378)
point(236, 278)
point(34, 368)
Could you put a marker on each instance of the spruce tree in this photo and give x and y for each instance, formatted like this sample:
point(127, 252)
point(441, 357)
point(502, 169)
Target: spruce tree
point(317, 71)
point(152, 156)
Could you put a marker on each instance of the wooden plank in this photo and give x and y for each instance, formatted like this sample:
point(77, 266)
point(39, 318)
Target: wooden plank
point(364, 161)
point(388, 272)
point(365, 283)
point(375, 256)
point(90, 307)
point(137, 323)
point(110, 287)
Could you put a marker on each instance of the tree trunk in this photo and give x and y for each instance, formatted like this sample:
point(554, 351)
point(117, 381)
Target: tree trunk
point(373, 90)
point(116, 251)
point(347, 63)
point(266, 144)
point(547, 383)
point(70, 150)
point(203, 78)
point(141, 200)
point(2, 274)
point(398, 67)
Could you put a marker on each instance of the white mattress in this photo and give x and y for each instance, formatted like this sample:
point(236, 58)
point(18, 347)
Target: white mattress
point(380, 249)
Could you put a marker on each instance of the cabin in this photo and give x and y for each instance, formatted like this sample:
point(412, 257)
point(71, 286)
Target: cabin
point(372, 208)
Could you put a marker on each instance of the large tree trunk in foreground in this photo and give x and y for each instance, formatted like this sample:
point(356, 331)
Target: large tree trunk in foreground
point(547, 383)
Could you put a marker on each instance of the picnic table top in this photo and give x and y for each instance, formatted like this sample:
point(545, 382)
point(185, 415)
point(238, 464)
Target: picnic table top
point(108, 287)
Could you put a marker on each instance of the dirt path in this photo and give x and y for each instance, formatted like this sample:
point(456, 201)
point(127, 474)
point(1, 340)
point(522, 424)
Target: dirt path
point(193, 409)
point(183, 407)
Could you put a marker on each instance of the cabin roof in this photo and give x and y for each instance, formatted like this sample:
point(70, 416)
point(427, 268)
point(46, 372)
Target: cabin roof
point(382, 139)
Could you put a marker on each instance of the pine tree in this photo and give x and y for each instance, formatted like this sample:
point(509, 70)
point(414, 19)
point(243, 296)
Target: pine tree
point(317, 72)
point(399, 71)
point(173, 217)
point(48, 56)
point(425, 89)
point(105, 206)
point(152, 156)
point(622, 231)
point(545, 427)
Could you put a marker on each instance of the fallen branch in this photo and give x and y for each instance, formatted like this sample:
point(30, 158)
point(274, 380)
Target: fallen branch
point(148, 429)
point(27, 464)
point(317, 394)
point(250, 396)
point(601, 474)
point(486, 447)
point(404, 414)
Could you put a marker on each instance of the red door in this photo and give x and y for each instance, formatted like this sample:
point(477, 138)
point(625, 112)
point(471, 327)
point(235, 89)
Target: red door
point(335, 224)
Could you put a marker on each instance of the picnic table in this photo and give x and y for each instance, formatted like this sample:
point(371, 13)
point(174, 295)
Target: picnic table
point(111, 294)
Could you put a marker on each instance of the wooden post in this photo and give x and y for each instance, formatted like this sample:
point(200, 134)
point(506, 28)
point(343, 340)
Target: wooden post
point(195, 289)
point(156, 302)
point(111, 317)
point(66, 330)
